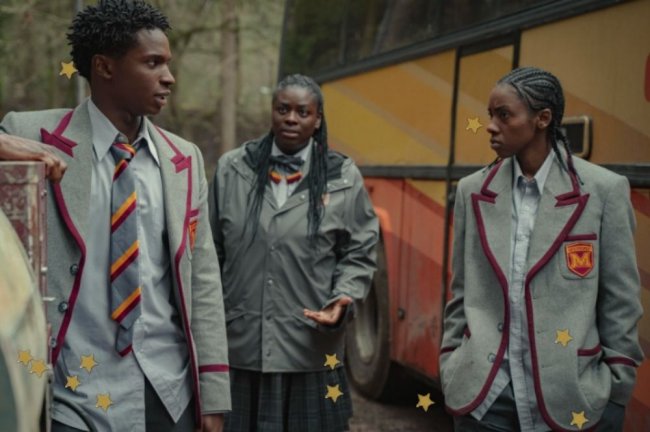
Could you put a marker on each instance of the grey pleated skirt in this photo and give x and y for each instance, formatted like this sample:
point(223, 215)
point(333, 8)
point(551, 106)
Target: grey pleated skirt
point(288, 402)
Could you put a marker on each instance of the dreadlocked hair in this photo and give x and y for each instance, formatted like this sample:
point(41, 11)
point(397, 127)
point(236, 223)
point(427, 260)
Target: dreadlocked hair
point(540, 89)
point(316, 178)
point(110, 28)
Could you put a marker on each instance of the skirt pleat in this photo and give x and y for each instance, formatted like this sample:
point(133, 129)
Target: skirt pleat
point(288, 402)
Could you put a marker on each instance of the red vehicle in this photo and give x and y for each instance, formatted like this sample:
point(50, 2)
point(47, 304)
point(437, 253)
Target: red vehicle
point(406, 85)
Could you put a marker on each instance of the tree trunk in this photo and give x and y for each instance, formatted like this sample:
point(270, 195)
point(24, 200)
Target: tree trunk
point(229, 62)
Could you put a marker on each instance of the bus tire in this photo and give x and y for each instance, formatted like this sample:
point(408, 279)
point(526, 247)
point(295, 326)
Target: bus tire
point(368, 337)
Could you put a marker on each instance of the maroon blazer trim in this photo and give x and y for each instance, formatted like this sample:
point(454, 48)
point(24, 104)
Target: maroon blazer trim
point(621, 360)
point(586, 352)
point(183, 162)
point(214, 368)
point(490, 197)
point(578, 237)
point(445, 350)
point(57, 140)
point(570, 198)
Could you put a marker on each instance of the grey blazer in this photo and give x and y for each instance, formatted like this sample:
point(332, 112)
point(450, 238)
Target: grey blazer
point(195, 270)
point(581, 276)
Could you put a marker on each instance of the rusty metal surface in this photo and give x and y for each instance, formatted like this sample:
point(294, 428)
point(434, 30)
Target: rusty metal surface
point(22, 199)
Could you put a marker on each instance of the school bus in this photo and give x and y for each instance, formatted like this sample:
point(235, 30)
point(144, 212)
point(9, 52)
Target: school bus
point(406, 84)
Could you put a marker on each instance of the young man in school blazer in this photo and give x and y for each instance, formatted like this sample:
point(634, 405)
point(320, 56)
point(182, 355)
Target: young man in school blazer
point(154, 358)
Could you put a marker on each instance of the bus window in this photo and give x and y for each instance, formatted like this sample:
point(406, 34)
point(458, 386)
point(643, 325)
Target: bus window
point(477, 75)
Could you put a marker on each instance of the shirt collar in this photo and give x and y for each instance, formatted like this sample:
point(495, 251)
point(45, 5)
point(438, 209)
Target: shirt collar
point(104, 133)
point(540, 176)
point(302, 154)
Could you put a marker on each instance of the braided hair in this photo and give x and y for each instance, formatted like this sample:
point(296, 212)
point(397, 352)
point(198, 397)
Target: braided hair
point(539, 90)
point(110, 28)
point(317, 177)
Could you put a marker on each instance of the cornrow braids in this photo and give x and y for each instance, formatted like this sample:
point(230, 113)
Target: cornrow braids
point(540, 89)
point(317, 177)
point(110, 28)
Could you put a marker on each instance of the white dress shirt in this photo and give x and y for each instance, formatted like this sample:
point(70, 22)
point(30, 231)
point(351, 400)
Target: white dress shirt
point(159, 347)
point(517, 364)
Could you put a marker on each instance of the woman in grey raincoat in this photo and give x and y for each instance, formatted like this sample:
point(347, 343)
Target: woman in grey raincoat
point(295, 233)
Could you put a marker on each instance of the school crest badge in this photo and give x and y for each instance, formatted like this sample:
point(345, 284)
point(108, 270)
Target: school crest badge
point(580, 258)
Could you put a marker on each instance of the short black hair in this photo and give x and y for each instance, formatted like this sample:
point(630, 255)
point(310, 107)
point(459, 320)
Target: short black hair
point(109, 28)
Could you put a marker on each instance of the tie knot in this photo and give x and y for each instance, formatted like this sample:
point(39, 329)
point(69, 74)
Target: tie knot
point(286, 163)
point(121, 149)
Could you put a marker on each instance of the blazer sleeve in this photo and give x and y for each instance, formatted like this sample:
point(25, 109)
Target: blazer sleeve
point(618, 305)
point(208, 322)
point(357, 262)
point(454, 322)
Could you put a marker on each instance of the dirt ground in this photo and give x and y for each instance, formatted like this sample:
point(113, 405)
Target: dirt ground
point(370, 416)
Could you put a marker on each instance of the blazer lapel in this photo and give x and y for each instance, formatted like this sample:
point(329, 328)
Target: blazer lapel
point(176, 174)
point(73, 137)
point(559, 208)
point(493, 213)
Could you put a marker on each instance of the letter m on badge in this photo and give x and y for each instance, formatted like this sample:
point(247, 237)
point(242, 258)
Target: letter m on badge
point(580, 258)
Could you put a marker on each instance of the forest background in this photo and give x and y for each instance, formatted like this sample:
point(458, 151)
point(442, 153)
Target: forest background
point(225, 61)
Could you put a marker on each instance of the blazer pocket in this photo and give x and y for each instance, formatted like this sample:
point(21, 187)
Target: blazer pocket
point(449, 363)
point(594, 377)
point(578, 256)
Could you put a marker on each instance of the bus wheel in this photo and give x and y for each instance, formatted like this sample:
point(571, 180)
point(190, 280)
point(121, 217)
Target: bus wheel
point(368, 337)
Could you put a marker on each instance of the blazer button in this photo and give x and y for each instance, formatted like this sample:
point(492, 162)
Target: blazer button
point(74, 269)
point(491, 357)
point(63, 306)
point(52, 342)
point(500, 326)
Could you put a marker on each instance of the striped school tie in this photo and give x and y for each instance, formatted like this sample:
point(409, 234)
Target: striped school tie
point(125, 248)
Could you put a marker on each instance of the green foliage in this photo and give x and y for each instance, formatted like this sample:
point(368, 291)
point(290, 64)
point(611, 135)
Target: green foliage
point(33, 44)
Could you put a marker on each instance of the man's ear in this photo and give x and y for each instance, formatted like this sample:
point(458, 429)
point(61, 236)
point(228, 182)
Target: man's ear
point(102, 66)
point(544, 118)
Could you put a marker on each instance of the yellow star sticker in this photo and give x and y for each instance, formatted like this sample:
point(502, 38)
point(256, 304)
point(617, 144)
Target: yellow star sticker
point(88, 362)
point(473, 124)
point(72, 383)
point(563, 337)
point(24, 357)
point(68, 69)
point(578, 419)
point(104, 401)
point(333, 393)
point(424, 401)
point(38, 367)
point(331, 361)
